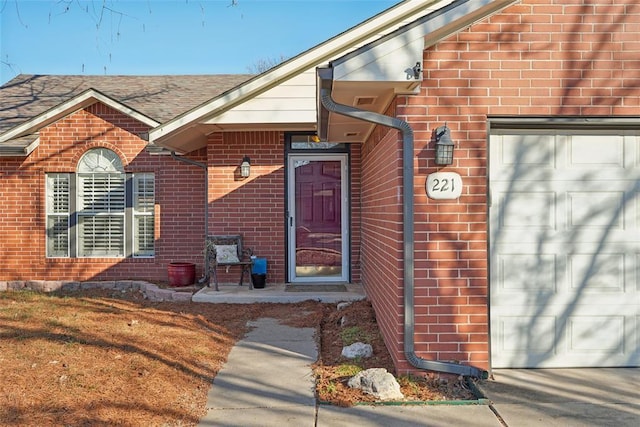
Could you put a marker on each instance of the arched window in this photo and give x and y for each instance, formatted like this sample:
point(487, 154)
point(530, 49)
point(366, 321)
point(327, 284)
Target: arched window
point(103, 212)
point(101, 204)
point(100, 160)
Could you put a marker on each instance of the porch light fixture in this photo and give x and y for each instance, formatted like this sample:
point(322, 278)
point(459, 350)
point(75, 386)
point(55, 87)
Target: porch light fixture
point(245, 167)
point(417, 69)
point(444, 146)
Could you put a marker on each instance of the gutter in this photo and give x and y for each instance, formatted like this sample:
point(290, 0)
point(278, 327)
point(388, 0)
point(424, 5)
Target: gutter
point(205, 273)
point(408, 235)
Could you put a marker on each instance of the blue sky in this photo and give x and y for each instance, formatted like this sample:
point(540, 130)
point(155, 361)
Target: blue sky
point(166, 36)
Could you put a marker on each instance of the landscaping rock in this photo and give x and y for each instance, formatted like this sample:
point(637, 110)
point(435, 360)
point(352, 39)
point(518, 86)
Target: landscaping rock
point(16, 285)
point(181, 296)
point(357, 349)
point(343, 305)
point(150, 291)
point(378, 383)
point(71, 286)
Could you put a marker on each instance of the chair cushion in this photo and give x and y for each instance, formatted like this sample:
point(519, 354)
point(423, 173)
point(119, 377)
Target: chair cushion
point(226, 254)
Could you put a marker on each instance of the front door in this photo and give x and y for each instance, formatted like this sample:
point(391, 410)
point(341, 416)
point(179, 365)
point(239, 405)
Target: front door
point(318, 218)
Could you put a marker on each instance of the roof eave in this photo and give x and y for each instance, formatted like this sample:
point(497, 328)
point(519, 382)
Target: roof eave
point(21, 149)
point(305, 61)
point(436, 26)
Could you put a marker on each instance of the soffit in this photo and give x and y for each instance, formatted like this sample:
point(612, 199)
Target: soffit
point(385, 68)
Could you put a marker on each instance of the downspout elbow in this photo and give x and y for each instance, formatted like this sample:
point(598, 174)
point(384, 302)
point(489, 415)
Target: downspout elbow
point(408, 234)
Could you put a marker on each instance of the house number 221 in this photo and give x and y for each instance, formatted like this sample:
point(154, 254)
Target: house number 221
point(444, 185)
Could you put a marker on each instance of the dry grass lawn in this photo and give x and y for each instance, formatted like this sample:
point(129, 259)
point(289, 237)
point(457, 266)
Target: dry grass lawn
point(101, 357)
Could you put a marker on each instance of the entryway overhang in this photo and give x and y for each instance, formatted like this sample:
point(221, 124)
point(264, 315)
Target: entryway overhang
point(284, 97)
point(370, 77)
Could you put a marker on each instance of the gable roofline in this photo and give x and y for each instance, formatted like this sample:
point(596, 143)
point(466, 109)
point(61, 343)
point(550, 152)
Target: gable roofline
point(84, 99)
point(383, 23)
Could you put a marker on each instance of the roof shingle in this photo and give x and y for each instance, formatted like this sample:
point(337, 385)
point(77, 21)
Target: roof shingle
point(158, 97)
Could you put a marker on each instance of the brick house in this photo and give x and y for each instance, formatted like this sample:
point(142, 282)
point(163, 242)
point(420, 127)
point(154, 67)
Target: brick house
point(523, 250)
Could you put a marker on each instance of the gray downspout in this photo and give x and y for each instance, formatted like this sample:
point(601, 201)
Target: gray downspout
point(205, 276)
point(408, 213)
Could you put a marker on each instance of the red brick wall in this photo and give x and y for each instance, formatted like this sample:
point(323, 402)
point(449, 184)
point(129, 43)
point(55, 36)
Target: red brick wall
point(356, 213)
point(255, 206)
point(179, 201)
point(382, 237)
point(540, 57)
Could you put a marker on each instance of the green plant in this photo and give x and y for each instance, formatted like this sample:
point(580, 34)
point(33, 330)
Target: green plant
point(348, 370)
point(354, 334)
point(330, 387)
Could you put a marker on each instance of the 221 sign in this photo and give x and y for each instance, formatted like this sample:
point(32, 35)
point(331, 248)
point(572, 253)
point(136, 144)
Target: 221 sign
point(444, 185)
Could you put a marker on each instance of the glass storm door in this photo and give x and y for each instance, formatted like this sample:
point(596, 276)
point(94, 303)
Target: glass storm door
point(317, 218)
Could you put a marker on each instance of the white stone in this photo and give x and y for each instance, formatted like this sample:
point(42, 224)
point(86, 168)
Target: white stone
point(377, 382)
point(357, 349)
point(343, 305)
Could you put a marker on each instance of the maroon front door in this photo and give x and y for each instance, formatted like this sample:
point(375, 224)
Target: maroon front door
point(317, 234)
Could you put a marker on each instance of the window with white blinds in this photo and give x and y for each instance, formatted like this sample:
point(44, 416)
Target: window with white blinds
point(58, 193)
point(143, 214)
point(100, 211)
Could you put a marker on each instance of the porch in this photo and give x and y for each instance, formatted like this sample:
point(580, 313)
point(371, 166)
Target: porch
point(274, 293)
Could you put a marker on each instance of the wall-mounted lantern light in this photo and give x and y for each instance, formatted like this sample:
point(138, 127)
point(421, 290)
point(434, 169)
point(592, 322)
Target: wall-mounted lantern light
point(245, 167)
point(444, 146)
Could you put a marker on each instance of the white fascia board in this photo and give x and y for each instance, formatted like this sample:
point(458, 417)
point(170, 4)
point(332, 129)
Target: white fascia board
point(375, 27)
point(29, 148)
point(392, 57)
point(86, 98)
point(18, 149)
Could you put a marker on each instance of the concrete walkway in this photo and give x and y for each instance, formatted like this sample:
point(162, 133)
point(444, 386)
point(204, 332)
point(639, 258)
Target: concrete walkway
point(268, 381)
point(566, 397)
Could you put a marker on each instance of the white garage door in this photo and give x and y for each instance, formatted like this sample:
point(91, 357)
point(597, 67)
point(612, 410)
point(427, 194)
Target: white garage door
point(565, 250)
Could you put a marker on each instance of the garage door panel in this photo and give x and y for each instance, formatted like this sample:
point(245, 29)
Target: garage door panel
point(558, 342)
point(588, 152)
point(527, 334)
point(536, 215)
point(521, 272)
point(528, 158)
point(530, 270)
point(565, 250)
point(596, 209)
point(596, 334)
point(634, 274)
point(597, 272)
